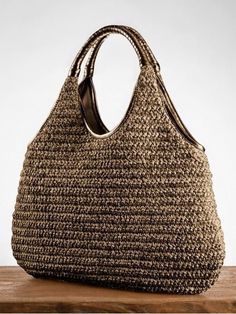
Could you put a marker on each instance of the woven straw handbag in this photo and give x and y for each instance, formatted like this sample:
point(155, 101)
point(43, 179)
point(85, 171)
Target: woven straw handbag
point(129, 208)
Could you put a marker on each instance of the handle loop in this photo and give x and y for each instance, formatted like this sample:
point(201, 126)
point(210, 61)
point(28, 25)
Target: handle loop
point(89, 67)
point(94, 42)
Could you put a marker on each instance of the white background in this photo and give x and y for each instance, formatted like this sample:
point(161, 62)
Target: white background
point(195, 43)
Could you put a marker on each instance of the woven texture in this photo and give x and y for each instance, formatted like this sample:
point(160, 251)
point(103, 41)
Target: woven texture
point(134, 210)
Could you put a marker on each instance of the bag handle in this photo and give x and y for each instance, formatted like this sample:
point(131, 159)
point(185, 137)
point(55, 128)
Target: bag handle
point(89, 67)
point(95, 41)
point(145, 56)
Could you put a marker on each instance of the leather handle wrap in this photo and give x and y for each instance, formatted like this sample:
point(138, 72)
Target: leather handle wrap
point(97, 38)
point(89, 68)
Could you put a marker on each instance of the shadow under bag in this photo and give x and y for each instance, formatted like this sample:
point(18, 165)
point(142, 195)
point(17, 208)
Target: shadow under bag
point(131, 208)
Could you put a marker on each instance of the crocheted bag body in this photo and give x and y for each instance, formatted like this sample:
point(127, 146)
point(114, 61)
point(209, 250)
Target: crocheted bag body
point(132, 210)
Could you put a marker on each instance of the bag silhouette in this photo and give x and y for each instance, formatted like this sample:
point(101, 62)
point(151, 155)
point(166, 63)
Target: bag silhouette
point(130, 208)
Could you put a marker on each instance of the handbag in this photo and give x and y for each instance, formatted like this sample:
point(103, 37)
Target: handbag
point(129, 208)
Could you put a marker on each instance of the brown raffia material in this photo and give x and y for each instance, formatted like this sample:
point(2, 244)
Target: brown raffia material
point(134, 210)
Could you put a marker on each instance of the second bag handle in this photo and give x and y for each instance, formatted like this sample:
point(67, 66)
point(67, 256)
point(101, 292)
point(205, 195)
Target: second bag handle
point(143, 51)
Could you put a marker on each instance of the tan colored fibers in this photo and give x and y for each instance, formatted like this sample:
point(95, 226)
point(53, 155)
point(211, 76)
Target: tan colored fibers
point(134, 210)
